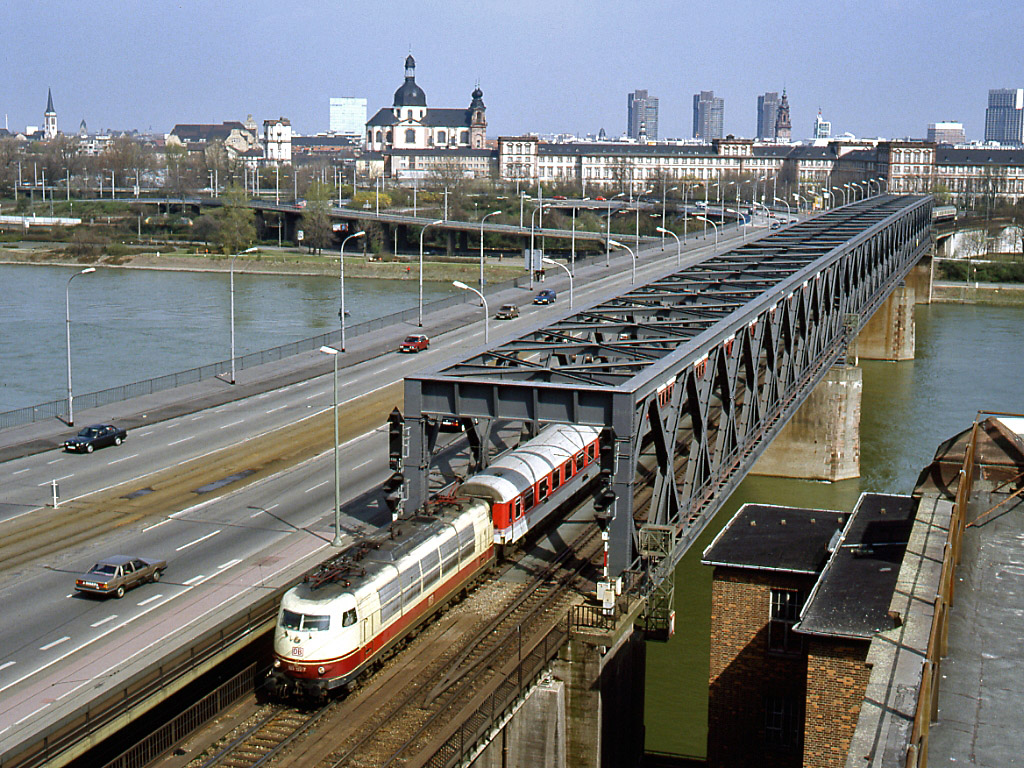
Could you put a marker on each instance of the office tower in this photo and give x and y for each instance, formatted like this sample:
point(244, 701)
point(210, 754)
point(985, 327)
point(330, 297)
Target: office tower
point(1003, 121)
point(642, 110)
point(822, 128)
point(767, 111)
point(946, 133)
point(348, 116)
point(708, 116)
point(783, 128)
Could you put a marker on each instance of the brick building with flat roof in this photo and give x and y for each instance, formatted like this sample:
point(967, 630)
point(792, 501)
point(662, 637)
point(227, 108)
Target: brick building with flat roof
point(797, 595)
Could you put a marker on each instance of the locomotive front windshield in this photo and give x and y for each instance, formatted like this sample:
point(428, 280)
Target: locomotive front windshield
point(304, 622)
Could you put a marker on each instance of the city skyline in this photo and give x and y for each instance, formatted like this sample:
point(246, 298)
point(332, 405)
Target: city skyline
point(144, 75)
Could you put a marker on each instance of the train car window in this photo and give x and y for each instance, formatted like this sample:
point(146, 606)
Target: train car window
point(567, 471)
point(305, 622)
point(348, 618)
point(592, 451)
point(450, 554)
point(519, 507)
point(466, 544)
point(431, 567)
point(390, 602)
point(528, 498)
point(291, 620)
point(542, 489)
point(579, 461)
point(410, 579)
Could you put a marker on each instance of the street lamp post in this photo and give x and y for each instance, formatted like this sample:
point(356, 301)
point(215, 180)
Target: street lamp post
point(533, 223)
point(341, 274)
point(617, 244)
point(337, 470)
point(679, 247)
point(232, 269)
point(709, 221)
point(423, 232)
point(789, 208)
point(461, 285)
point(838, 189)
point(860, 189)
point(67, 323)
point(492, 213)
point(566, 270)
point(801, 199)
point(850, 190)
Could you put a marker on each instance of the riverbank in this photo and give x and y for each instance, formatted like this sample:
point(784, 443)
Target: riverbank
point(271, 261)
point(991, 294)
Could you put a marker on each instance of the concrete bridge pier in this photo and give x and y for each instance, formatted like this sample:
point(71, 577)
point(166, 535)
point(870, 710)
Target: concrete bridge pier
point(889, 334)
point(588, 712)
point(822, 440)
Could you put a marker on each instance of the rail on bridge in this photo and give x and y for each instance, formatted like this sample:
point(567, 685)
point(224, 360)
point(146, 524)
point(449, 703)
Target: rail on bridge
point(690, 376)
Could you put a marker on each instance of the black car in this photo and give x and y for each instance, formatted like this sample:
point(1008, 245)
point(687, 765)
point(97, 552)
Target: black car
point(547, 296)
point(95, 436)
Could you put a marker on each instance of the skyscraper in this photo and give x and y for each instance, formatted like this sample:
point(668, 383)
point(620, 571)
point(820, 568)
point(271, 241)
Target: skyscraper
point(642, 109)
point(822, 127)
point(767, 110)
point(1003, 118)
point(946, 132)
point(708, 116)
point(783, 128)
point(348, 116)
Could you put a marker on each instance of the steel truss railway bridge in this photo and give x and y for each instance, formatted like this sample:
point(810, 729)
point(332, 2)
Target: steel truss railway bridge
point(690, 376)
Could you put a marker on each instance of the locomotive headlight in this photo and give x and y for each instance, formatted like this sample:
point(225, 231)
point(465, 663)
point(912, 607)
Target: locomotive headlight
point(320, 670)
point(277, 663)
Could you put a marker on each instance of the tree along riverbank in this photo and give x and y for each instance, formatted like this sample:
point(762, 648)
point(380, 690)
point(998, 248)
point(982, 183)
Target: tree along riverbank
point(267, 261)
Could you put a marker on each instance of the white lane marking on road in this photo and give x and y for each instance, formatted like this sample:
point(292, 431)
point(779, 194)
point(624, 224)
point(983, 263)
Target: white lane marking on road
point(325, 482)
point(143, 434)
point(280, 407)
point(228, 564)
point(194, 580)
point(57, 478)
point(233, 424)
point(101, 622)
point(310, 397)
point(124, 458)
point(190, 437)
point(4, 666)
point(149, 600)
point(201, 538)
point(197, 418)
point(156, 525)
point(55, 643)
point(302, 383)
point(260, 511)
point(172, 424)
point(56, 460)
point(26, 469)
point(357, 466)
point(272, 506)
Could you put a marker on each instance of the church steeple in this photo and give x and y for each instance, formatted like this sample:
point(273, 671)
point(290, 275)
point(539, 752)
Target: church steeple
point(49, 118)
point(783, 128)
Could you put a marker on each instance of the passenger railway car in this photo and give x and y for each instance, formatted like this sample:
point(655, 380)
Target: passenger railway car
point(524, 486)
point(352, 609)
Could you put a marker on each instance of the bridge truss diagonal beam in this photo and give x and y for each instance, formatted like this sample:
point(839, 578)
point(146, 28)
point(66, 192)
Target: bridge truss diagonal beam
point(695, 372)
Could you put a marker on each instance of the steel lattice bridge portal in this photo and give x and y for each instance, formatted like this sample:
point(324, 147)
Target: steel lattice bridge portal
point(691, 375)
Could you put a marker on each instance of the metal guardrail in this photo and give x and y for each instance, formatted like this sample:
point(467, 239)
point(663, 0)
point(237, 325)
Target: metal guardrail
point(164, 739)
point(462, 743)
point(99, 714)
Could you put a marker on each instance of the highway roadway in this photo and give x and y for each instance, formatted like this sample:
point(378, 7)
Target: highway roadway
point(57, 648)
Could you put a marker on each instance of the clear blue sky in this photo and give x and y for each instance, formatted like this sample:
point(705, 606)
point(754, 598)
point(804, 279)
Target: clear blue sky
point(874, 67)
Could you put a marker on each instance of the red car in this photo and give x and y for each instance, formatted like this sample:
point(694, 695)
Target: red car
point(414, 343)
point(600, 199)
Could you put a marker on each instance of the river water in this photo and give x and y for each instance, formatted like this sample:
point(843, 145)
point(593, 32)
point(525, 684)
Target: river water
point(968, 359)
point(134, 324)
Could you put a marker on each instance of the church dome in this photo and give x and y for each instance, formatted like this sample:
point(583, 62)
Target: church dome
point(478, 99)
point(410, 94)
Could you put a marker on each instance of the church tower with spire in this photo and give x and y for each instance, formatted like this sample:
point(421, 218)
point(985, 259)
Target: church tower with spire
point(477, 120)
point(49, 118)
point(783, 128)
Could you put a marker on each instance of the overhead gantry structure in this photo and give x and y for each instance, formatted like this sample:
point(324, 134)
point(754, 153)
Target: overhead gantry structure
point(691, 375)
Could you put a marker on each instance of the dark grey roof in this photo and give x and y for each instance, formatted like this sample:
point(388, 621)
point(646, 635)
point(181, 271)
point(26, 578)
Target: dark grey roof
point(860, 156)
point(812, 153)
point(615, 148)
point(851, 599)
point(410, 95)
point(206, 131)
point(982, 156)
point(766, 537)
point(384, 116)
point(478, 99)
point(325, 141)
point(771, 150)
point(444, 117)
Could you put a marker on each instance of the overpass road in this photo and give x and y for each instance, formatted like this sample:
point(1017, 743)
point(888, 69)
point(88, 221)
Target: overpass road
point(59, 650)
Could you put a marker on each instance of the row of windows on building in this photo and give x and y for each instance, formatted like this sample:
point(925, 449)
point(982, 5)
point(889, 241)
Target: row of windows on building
point(410, 137)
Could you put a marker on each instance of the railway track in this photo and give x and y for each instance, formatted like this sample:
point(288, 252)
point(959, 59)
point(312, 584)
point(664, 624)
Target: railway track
point(265, 739)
